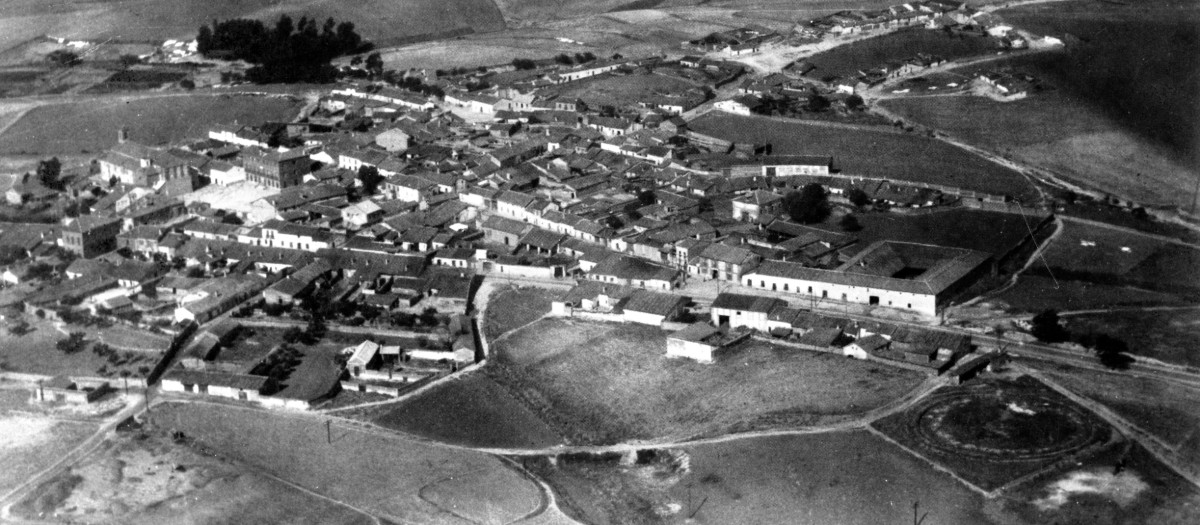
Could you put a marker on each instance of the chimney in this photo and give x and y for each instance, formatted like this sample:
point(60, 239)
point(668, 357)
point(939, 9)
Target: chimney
point(122, 135)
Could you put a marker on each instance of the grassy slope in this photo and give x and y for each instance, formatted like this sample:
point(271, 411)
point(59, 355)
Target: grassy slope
point(871, 153)
point(91, 127)
point(604, 383)
point(514, 307)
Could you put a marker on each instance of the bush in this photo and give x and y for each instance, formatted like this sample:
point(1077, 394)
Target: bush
point(73, 344)
point(1046, 327)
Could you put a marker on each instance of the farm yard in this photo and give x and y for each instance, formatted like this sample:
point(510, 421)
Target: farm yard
point(91, 127)
point(898, 156)
point(848, 60)
point(598, 383)
point(147, 478)
point(778, 479)
point(992, 432)
point(426, 484)
point(497, 420)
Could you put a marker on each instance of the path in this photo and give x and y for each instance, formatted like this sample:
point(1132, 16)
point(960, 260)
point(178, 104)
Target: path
point(72, 456)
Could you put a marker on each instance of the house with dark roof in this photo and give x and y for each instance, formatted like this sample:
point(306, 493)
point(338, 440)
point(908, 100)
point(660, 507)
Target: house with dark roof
point(738, 310)
point(653, 308)
point(723, 262)
point(504, 231)
point(636, 272)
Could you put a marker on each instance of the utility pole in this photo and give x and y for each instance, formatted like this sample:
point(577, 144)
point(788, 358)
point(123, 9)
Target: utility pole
point(328, 431)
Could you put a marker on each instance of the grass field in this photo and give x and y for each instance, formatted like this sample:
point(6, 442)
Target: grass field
point(513, 307)
point(618, 91)
point(1106, 256)
point(1164, 335)
point(399, 480)
point(1034, 293)
point(848, 60)
point(607, 383)
point(872, 153)
point(986, 231)
point(496, 418)
point(91, 127)
point(844, 477)
point(146, 478)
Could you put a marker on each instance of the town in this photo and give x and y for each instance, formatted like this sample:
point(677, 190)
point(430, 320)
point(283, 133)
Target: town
point(578, 245)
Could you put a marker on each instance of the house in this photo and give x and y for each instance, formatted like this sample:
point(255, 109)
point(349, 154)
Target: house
point(394, 140)
point(360, 214)
point(90, 235)
point(653, 308)
point(224, 173)
point(364, 356)
point(743, 105)
point(504, 231)
point(275, 169)
point(755, 204)
point(242, 387)
point(636, 272)
point(138, 165)
point(781, 165)
point(701, 342)
point(454, 257)
point(61, 389)
point(751, 311)
point(723, 262)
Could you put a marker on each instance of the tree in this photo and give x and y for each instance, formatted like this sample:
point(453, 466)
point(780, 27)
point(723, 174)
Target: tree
point(48, 173)
point(858, 197)
point(374, 64)
point(230, 218)
point(63, 58)
point(850, 223)
point(39, 271)
point(1046, 328)
point(809, 205)
point(315, 329)
point(818, 103)
point(187, 84)
point(854, 102)
point(292, 335)
point(370, 178)
point(564, 59)
point(1113, 352)
point(73, 344)
point(129, 60)
point(523, 63)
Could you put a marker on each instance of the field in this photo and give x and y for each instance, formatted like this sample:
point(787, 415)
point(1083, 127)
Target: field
point(1066, 136)
point(1108, 256)
point(377, 20)
point(147, 479)
point(872, 153)
point(1164, 335)
point(848, 60)
point(496, 418)
point(781, 479)
point(513, 307)
point(598, 383)
point(992, 432)
point(617, 91)
point(986, 231)
point(91, 127)
point(1034, 293)
point(387, 476)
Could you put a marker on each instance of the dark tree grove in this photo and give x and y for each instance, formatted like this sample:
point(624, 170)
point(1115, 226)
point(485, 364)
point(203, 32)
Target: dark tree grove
point(289, 52)
point(809, 205)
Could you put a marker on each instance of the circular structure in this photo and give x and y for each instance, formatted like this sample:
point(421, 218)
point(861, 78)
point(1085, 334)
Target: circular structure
point(998, 422)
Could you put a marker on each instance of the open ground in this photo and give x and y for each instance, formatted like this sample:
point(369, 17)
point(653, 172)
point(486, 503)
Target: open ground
point(425, 483)
point(90, 127)
point(146, 478)
point(31, 442)
point(599, 383)
point(35, 352)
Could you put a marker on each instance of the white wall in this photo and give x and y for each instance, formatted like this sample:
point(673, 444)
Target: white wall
point(922, 303)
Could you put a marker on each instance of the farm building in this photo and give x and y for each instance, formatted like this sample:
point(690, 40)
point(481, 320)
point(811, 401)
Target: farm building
point(738, 310)
point(653, 308)
point(781, 165)
point(864, 347)
point(62, 389)
point(233, 386)
point(916, 277)
point(701, 342)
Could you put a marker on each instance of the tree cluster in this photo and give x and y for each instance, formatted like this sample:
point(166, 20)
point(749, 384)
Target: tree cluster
point(808, 205)
point(413, 84)
point(49, 173)
point(289, 52)
point(1112, 351)
point(524, 63)
point(577, 58)
point(73, 344)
